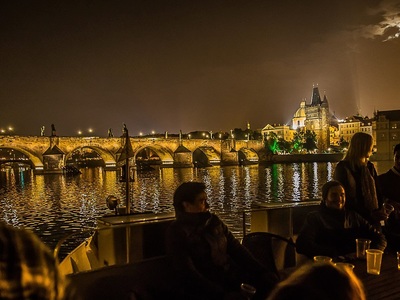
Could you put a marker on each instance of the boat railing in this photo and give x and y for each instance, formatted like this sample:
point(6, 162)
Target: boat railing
point(116, 240)
point(132, 238)
point(283, 218)
point(76, 237)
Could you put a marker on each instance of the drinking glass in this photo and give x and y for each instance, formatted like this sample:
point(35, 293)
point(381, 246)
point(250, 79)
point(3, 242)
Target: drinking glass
point(361, 246)
point(374, 260)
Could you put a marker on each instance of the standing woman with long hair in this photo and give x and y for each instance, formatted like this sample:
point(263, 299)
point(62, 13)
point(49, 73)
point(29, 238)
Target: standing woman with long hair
point(359, 178)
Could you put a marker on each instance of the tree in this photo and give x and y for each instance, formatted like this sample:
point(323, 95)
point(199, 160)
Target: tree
point(271, 143)
point(298, 140)
point(284, 145)
point(310, 141)
point(343, 143)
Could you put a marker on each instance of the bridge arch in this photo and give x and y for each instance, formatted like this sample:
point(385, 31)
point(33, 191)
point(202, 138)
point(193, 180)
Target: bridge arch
point(206, 156)
point(108, 158)
point(36, 161)
point(165, 154)
point(248, 156)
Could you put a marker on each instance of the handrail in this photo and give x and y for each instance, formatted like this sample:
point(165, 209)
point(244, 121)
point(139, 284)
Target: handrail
point(276, 205)
point(57, 248)
point(123, 221)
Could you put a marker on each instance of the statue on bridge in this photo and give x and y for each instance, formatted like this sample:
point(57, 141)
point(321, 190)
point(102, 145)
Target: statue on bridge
point(42, 131)
point(53, 130)
point(110, 133)
point(124, 130)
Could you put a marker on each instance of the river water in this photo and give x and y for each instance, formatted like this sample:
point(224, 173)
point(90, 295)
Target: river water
point(54, 205)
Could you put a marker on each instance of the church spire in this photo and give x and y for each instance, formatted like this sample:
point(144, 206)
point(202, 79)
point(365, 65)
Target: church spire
point(325, 101)
point(315, 98)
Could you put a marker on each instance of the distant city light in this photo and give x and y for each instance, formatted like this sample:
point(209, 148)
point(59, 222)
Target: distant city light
point(140, 133)
point(79, 132)
point(90, 130)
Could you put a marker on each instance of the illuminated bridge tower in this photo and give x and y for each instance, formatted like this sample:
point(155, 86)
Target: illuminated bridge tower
point(318, 118)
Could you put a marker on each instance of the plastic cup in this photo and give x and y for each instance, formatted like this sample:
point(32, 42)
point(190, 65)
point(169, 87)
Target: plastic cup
point(361, 246)
point(322, 259)
point(374, 260)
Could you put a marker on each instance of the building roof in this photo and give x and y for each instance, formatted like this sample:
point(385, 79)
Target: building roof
point(182, 149)
point(301, 111)
point(392, 115)
point(53, 151)
point(315, 97)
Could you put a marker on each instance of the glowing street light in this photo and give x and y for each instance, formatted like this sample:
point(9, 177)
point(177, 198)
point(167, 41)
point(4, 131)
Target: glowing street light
point(79, 132)
point(90, 130)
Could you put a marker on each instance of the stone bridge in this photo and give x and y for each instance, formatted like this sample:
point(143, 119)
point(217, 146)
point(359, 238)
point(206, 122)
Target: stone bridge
point(49, 154)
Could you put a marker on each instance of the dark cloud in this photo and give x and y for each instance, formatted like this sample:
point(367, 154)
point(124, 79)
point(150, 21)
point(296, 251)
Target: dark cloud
point(171, 65)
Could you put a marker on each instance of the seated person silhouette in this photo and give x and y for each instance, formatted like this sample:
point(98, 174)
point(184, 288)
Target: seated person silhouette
point(332, 229)
point(209, 261)
point(319, 281)
point(28, 269)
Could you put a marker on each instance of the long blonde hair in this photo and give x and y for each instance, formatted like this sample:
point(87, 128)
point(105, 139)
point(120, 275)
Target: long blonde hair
point(360, 145)
point(320, 281)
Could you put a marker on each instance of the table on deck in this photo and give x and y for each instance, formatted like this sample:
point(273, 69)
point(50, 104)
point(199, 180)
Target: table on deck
point(383, 286)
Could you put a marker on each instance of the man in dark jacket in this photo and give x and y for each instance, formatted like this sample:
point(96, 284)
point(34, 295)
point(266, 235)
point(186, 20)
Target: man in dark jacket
point(332, 230)
point(211, 262)
point(389, 183)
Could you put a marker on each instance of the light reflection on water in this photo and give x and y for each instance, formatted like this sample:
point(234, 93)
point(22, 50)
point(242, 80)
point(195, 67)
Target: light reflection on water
point(55, 205)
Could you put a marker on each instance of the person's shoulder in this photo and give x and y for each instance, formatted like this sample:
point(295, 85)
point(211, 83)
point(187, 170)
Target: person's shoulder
point(343, 164)
point(385, 175)
point(355, 216)
point(314, 215)
point(370, 165)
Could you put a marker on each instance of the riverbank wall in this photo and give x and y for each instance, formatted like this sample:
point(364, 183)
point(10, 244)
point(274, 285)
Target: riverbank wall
point(296, 158)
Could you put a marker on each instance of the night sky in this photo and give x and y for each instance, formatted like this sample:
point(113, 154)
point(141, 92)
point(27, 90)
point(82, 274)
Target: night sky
point(192, 65)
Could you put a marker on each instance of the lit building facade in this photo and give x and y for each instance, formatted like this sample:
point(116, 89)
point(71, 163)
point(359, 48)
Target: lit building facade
point(315, 117)
point(351, 125)
point(387, 130)
point(281, 131)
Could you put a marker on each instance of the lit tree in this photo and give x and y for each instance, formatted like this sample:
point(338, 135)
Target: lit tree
point(298, 140)
point(271, 143)
point(284, 145)
point(343, 143)
point(310, 141)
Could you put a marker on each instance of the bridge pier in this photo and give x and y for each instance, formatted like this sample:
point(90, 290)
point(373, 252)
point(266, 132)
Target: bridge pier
point(229, 158)
point(183, 160)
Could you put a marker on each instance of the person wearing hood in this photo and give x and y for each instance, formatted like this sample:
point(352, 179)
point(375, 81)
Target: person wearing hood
point(209, 261)
point(332, 229)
